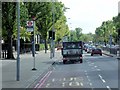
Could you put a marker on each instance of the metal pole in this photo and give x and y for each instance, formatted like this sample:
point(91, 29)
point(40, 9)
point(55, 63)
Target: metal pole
point(119, 47)
point(53, 44)
point(34, 45)
point(18, 41)
point(110, 43)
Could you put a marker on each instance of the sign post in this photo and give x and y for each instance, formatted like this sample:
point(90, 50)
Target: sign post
point(33, 48)
point(31, 28)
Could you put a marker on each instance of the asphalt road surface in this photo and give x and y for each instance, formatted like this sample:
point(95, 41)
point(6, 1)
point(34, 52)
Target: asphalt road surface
point(95, 72)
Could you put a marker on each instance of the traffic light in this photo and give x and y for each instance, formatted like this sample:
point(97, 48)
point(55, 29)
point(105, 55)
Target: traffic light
point(52, 35)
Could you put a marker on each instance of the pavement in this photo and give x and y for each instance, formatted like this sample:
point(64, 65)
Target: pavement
point(27, 75)
point(108, 54)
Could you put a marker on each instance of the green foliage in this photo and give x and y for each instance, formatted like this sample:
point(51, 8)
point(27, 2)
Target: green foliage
point(102, 33)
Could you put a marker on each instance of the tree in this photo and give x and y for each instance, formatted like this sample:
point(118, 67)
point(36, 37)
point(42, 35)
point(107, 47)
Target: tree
point(78, 32)
point(8, 21)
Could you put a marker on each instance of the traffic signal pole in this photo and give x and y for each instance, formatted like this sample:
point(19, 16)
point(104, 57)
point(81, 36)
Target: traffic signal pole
point(52, 52)
point(18, 42)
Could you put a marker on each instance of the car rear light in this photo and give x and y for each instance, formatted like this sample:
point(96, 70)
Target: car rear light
point(64, 59)
point(81, 57)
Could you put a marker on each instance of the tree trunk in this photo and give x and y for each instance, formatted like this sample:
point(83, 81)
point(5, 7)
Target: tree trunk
point(9, 48)
point(46, 46)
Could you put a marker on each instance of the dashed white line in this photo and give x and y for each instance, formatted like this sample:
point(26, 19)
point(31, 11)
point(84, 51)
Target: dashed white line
point(48, 85)
point(77, 83)
point(64, 79)
point(108, 88)
point(74, 78)
point(53, 80)
point(71, 79)
point(102, 79)
point(63, 84)
point(81, 84)
point(95, 66)
point(98, 70)
point(70, 84)
point(90, 84)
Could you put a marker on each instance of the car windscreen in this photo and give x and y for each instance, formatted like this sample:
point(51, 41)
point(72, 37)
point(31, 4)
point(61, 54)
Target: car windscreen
point(72, 45)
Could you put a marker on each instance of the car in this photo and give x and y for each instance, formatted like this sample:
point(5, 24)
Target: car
point(96, 51)
point(90, 48)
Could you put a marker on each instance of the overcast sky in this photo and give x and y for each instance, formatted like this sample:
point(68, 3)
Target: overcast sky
point(89, 14)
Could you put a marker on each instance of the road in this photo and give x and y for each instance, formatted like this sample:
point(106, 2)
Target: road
point(95, 72)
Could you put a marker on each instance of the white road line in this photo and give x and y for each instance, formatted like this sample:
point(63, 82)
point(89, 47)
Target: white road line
point(98, 70)
point(48, 85)
point(64, 79)
point(77, 83)
point(100, 76)
point(74, 78)
point(95, 66)
point(63, 84)
point(90, 84)
point(108, 88)
point(71, 79)
point(102, 79)
point(81, 84)
point(70, 84)
point(53, 80)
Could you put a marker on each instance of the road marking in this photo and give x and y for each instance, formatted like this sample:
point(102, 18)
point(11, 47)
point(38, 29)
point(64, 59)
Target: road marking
point(71, 79)
point(81, 84)
point(48, 85)
point(41, 80)
point(90, 84)
point(74, 78)
point(63, 84)
point(77, 83)
point(102, 79)
point(108, 88)
point(64, 79)
point(53, 80)
point(98, 70)
point(95, 66)
point(45, 78)
point(70, 84)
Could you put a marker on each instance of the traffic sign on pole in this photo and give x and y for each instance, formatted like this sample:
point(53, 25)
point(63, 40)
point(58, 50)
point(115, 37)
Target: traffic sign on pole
point(30, 26)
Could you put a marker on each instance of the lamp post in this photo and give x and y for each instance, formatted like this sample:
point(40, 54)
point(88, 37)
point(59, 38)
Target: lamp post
point(18, 42)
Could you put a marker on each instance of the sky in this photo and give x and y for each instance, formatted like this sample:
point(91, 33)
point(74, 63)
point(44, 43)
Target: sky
point(89, 14)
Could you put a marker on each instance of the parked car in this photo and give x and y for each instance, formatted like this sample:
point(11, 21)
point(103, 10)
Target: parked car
point(96, 51)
